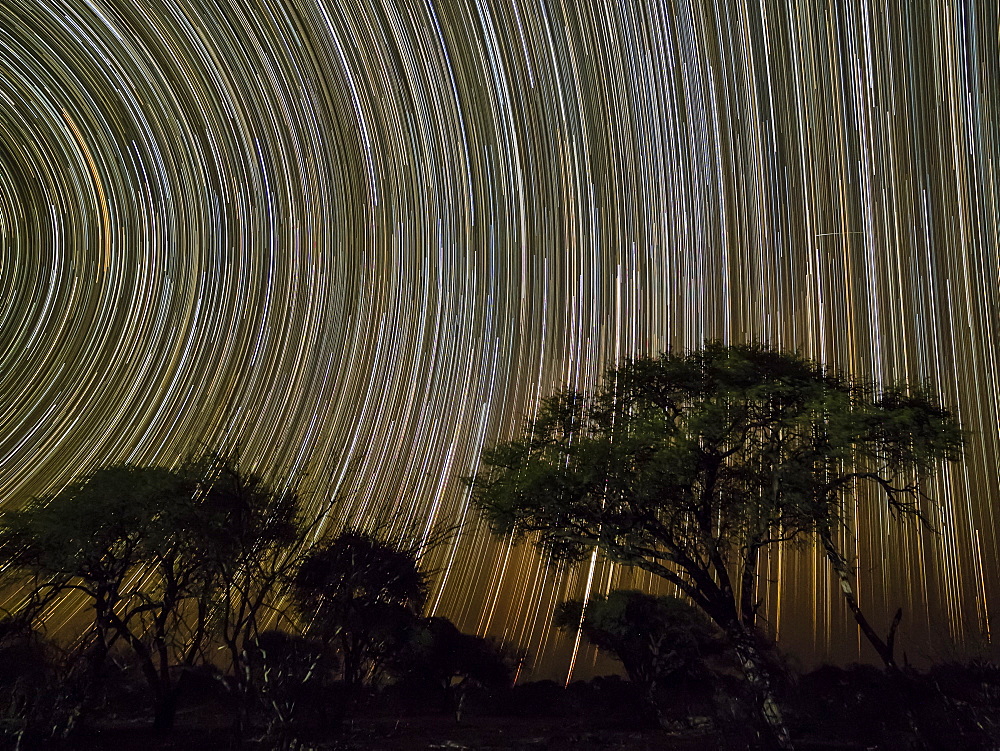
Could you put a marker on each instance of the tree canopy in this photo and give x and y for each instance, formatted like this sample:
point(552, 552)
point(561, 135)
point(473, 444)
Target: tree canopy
point(363, 595)
point(250, 538)
point(688, 465)
point(656, 638)
point(168, 559)
point(122, 536)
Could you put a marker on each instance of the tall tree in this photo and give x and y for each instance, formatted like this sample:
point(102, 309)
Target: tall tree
point(170, 560)
point(250, 539)
point(690, 465)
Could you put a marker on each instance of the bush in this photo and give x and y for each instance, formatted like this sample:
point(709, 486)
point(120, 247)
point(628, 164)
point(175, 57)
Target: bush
point(41, 696)
point(293, 677)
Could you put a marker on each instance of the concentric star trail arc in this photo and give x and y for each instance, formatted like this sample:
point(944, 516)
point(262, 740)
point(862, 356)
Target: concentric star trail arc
point(359, 242)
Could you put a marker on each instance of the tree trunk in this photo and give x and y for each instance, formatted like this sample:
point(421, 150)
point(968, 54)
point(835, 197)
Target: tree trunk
point(95, 661)
point(754, 668)
point(460, 703)
point(165, 711)
point(885, 649)
point(748, 608)
point(653, 708)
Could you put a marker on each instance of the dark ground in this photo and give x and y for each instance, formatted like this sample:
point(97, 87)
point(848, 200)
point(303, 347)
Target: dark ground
point(413, 734)
point(434, 732)
point(428, 732)
point(951, 708)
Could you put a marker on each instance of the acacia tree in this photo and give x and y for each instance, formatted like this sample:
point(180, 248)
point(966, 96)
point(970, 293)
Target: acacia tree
point(452, 661)
point(361, 596)
point(690, 465)
point(121, 536)
point(654, 637)
point(250, 540)
point(170, 559)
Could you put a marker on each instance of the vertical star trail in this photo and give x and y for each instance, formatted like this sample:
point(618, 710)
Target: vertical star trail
point(362, 240)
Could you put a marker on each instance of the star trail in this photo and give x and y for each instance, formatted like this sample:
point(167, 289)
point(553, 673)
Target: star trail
point(360, 241)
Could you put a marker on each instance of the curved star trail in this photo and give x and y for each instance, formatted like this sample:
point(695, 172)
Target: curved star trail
point(360, 241)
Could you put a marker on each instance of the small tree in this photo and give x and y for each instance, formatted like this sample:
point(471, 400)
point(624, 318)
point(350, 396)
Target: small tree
point(655, 638)
point(362, 596)
point(690, 465)
point(442, 655)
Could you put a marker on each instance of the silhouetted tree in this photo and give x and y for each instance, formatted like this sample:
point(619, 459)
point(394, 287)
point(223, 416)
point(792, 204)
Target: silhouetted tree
point(362, 596)
point(655, 638)
point(442, 655)
point(250, 538)
point(170, 559)
point(690, 465)
point(122, 537)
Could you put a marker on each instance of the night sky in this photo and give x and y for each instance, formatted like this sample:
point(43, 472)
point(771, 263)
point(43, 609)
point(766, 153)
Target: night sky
point(361, 240)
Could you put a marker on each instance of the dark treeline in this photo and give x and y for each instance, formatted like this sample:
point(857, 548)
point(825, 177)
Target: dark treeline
point(205, 586)
point(209, 572)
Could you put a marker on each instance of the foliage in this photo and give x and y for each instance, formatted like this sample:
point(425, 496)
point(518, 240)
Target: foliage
point(689, 465)
point(97, 529)
point(250, 539)
point(168, 559)
point(655, 638)
point(362, 596)
point(122, 537)
point(452, 662)
point(683, 461)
